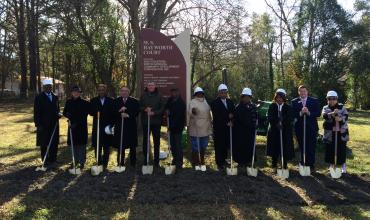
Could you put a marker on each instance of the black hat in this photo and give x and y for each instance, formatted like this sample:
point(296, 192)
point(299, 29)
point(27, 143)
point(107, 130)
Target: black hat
point(76, 88)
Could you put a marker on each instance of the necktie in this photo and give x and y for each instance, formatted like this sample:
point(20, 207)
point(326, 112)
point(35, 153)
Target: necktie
point(304, 102)
point(224, 102)
point(50, 97)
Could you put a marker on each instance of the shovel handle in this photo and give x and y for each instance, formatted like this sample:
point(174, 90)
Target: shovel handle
point(72, 147)
point(336, 143)
point(97, 137)
point(304, 139)
point(121, 141)
point(148, 141)
point(231, 145)
point(254, 143)
point(48, 147)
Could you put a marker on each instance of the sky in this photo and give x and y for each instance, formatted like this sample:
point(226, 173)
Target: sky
point(259, 6)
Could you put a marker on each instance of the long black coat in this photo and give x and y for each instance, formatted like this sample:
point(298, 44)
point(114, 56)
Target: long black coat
point(177, 114)
point(273, 135)
point(106, 118)
point(245, 117)
point(220, 116)
point(45, 117)
point(77, 110)
point(129, 124)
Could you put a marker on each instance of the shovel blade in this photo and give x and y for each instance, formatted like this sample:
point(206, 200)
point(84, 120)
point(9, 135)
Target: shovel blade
point(169, 170)
point(76, 171)
point(252, 171)
point(203, 168)
point(232, 171)
point(43, 169)
point(335, 173)
point(119, 169)
point(283, 173)
point(96, 170)
point(304, 170)
point(147, 170)
point(197, 168)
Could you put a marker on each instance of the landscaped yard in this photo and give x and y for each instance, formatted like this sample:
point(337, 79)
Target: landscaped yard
point(56, 194)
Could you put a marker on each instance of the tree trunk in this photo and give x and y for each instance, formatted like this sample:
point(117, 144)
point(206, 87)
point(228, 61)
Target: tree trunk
point(20, 26)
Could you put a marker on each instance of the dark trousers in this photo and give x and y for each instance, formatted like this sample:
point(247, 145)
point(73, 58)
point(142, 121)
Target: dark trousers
point(80, 154)
point(132, 156)
point(275, 162)
point(155, 130)
point(222, 144)
point(52, 154)
point(104, 152)
point(176, 149)
point(310, 147)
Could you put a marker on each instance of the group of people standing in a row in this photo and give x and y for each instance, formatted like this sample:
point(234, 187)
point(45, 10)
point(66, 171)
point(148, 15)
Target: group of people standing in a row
point(203, 119)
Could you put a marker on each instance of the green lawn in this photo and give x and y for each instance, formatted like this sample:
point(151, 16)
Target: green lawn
point(25, 194)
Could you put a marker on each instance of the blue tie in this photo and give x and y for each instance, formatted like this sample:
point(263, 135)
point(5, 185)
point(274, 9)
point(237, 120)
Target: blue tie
point(50, 97)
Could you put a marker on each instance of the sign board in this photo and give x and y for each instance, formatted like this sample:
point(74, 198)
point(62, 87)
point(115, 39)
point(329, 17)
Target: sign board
point(163, 63)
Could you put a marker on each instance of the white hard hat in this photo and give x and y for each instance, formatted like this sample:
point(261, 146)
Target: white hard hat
point(281, 91)
point(47, 81)
point(109, 130)
point(332, 94)
point(222, 87)
point(247, 91)
point(198, 89)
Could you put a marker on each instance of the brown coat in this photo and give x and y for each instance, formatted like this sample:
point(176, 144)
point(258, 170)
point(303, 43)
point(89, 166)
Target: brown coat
point(200, 124)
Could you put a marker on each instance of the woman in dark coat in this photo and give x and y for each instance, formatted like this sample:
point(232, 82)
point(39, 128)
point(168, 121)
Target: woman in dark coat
point(280, 117)
point(104, 105)
point(77, 110)
point(127, 107)
point(335, 120)
point(245, 117)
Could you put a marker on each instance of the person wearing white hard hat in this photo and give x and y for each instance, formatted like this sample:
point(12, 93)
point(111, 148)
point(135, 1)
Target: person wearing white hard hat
point(46, 118)
point(200, 126)
point(306, 110)
point(335, 120)
point(222, 111)
point(280, 118)
point(245, 118)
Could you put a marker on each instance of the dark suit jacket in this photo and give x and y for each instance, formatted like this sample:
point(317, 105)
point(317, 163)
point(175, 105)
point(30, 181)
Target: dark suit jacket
point(45, 117)
point(106, 118)
point(311, 120)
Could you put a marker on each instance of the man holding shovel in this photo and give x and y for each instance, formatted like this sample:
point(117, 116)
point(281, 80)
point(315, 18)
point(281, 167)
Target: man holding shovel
point(222, 111)
point(306, 110)
point(126, 110)
point(152, 105)
point(103, 105)
point(46, 116)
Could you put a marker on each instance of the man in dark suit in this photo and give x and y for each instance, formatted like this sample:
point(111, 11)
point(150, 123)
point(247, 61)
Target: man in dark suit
point(309, 107)
point(46, 116)
point(222, 111)
point(128, 108)
point(176, 113)
point(104, 105)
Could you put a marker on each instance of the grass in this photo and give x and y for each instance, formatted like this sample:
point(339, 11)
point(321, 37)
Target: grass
point(18, 153)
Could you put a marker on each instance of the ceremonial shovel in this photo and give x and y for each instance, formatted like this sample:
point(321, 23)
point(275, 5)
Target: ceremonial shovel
point(43, 168)
point(282, 173)
point(170, 169)
point(74, 170)
point(303, 169)
point(96, 170)
point(335, 172)
point(232, 171)
point(119, 168)
point(147, 169)
point(251, 171)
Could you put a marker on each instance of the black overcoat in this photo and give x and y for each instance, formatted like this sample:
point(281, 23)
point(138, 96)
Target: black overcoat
point(106, 118)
